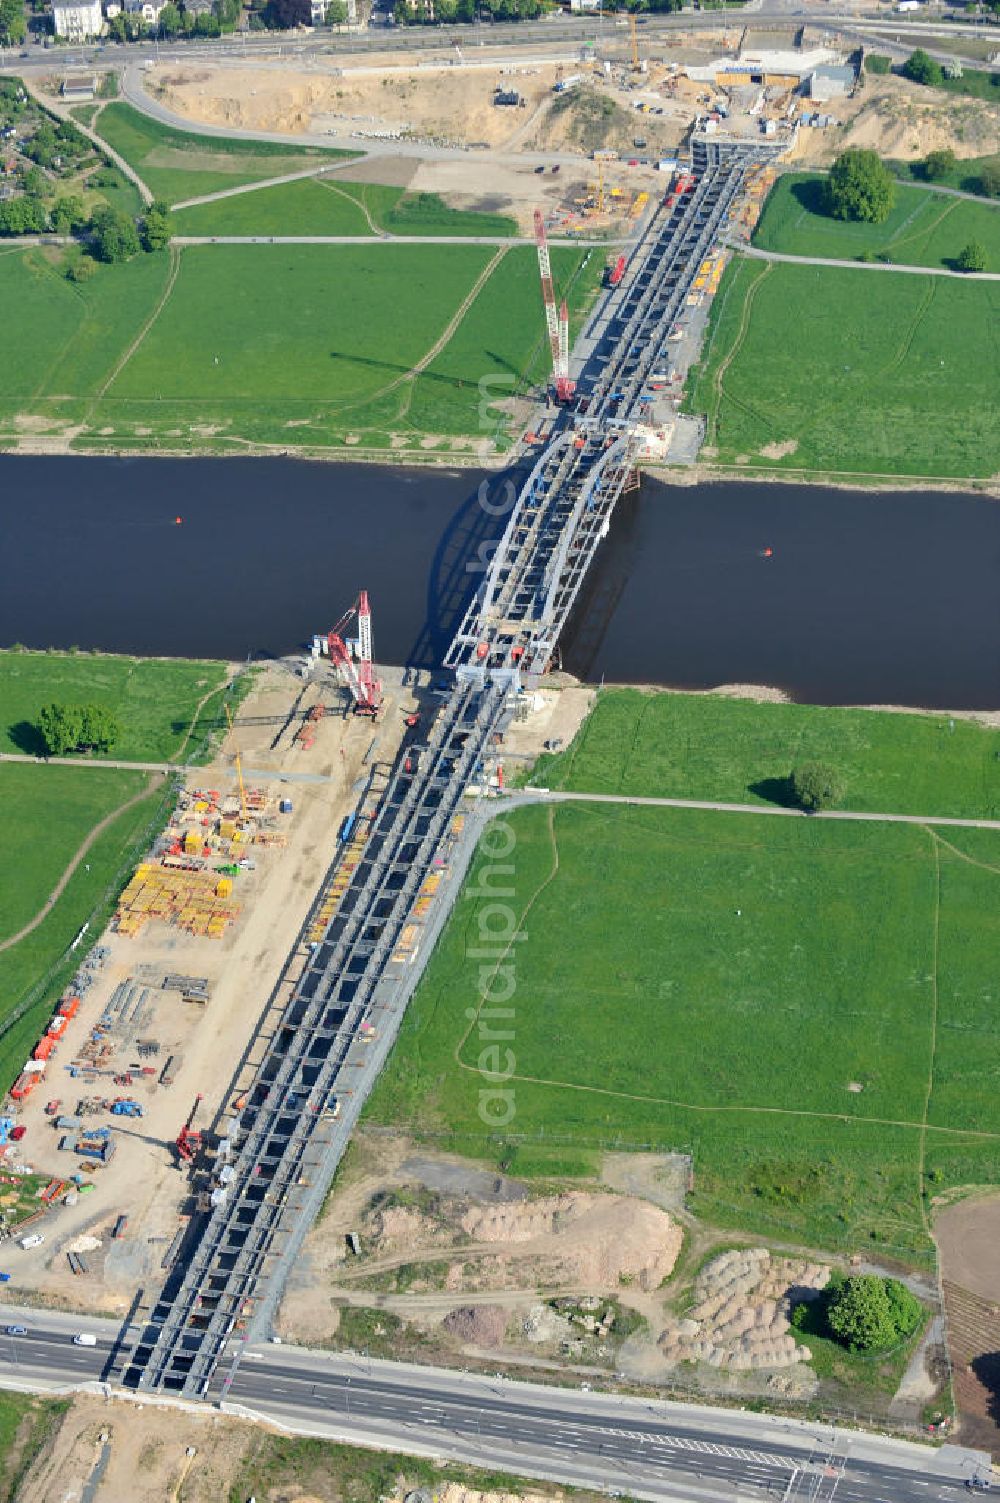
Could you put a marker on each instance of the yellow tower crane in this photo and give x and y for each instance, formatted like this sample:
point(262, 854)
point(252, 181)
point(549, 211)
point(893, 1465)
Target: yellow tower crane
point(239, 768)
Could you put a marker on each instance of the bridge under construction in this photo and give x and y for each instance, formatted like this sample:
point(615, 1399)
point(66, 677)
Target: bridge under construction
point(332, 1020)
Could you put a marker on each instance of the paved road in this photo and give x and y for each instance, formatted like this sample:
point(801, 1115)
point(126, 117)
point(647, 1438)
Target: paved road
point(645, 1448)
point(549, 796)
point(917, 271)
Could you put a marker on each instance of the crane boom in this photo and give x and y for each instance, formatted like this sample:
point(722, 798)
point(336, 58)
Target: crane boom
point(365, 689)
point(556, 320)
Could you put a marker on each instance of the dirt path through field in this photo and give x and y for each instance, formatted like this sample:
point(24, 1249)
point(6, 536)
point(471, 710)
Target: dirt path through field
point(175, 266)
point(78, 856)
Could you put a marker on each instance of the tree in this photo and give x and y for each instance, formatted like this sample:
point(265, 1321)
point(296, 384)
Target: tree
point(13, 27)
point(99, 728)
point(227, 12)
point(170, 20)
point(972, 257)
point(336, 12)
point(860, 186)
point(815, 786)
point(939, 164)
point(115, 237)
point(922, 69)
point(867, 1313)
point(156, 227)
point(60, 726)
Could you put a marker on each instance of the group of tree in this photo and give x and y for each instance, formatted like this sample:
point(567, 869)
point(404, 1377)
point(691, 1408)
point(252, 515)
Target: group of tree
point(921, 68)
point(860, 186)
point(56, 145)
point(865, 1313)
point(13, 28)
point(70, 728)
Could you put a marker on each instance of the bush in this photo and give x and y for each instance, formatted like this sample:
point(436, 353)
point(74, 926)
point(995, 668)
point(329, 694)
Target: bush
point(860, 187)
point(868, 1314)
point(877, 62)
point(989, 180)
point(815, 786)
point(939, 164)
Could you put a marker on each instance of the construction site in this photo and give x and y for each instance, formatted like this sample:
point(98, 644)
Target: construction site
point(127, 1088)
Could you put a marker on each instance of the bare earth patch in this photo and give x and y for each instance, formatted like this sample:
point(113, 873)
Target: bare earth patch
point(779, 451)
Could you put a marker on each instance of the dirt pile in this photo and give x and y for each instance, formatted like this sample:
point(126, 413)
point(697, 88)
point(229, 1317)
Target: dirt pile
point(740, 1316)
point(600, 1241)
point(477, 1325)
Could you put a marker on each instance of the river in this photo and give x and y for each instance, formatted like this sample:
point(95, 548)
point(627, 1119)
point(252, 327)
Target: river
point(835, 597)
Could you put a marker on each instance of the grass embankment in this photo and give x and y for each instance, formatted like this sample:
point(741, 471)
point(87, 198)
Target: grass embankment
point(724, 984)
point(333, 207)
point(178, 164)
point(923, 229)
point(155, 699)
point(27, 1424)
point(324, 1470)
point(966, 174)
point(852, 372)
point(45, 815)
point(708, 747)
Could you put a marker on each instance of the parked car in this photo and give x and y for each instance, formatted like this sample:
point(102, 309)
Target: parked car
point(17, 1330)
point(18, 1132)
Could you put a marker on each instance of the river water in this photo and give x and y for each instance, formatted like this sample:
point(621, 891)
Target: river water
point(864, 598)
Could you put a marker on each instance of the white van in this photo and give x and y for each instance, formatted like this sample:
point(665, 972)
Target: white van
point(84, 1339)
point(35, 1240)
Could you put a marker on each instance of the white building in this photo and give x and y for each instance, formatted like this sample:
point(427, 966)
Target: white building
point(830, 81)
point(149, 10)
point(77, 19)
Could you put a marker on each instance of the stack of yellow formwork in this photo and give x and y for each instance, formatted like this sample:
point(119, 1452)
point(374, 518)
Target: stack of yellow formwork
point(407, 947)
point(195, 901)
point(428, 888)
point(334, 893)
point(638, 205)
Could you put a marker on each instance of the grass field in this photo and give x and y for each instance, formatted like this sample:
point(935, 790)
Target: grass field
point(335, 335)
point(64, 339)
point(155, 698)
point(332, 207)
point(924, 228)
point(861, 372)
point(177, 164)
point(705, 746)
point(45, 814)
point(722, 984)
point(34, 971)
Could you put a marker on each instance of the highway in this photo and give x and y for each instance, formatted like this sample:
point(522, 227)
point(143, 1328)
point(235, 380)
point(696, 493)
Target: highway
point(644, 1447)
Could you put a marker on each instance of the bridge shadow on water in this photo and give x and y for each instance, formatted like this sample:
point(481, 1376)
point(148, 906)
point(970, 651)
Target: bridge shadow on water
point(461, 559)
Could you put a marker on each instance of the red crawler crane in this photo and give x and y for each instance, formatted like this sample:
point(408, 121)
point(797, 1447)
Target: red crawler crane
point(359, 675)
point(556, 321)
point(188, 1140)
